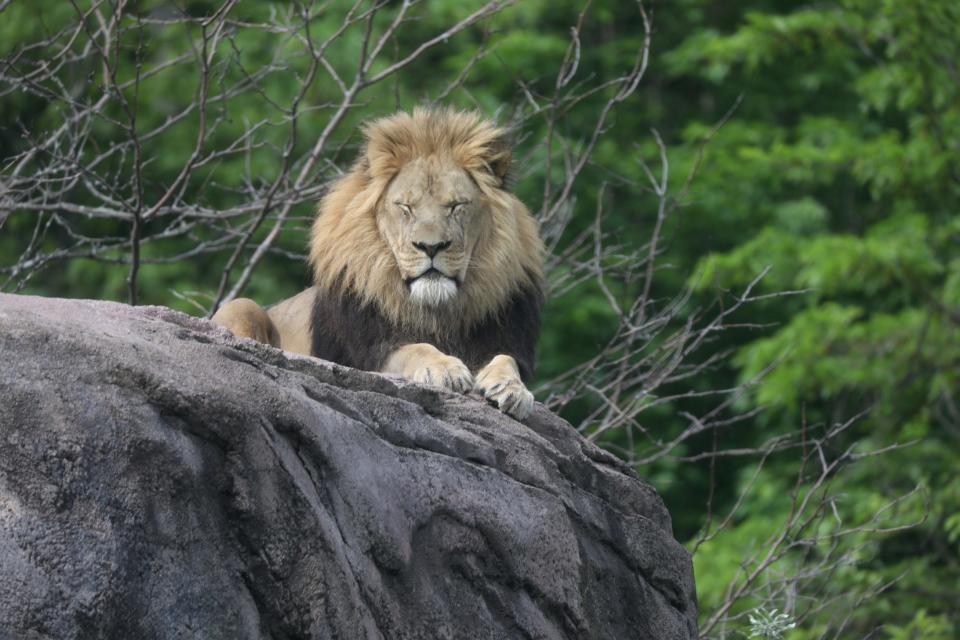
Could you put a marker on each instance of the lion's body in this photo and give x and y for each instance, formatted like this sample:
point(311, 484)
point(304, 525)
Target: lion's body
point(424, 263)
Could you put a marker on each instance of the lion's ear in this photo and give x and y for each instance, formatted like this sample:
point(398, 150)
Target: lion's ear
point(499, 159)
point(362, 165)
point(390, 143)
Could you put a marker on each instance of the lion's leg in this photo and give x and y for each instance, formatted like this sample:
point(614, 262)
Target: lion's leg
point(500, 383)
point(245, 318)
point(291, 319)
point(426, 364)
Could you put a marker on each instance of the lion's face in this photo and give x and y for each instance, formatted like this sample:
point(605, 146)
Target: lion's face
point(424, 227)
point(431, 218)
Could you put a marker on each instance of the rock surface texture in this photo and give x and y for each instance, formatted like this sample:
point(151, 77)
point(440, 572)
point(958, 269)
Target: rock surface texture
point(160, 478)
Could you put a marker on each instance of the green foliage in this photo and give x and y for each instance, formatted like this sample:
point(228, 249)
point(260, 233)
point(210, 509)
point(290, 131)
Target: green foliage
point(923, 627)
point(845, 179)
point(769, 624)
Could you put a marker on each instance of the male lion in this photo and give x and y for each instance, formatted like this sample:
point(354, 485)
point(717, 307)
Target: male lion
point(425, 265)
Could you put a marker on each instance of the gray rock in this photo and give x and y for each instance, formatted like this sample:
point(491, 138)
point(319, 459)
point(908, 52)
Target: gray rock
point(160, 478)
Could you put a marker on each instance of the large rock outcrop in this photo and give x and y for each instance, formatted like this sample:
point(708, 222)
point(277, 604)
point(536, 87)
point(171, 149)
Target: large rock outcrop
point(162, 479)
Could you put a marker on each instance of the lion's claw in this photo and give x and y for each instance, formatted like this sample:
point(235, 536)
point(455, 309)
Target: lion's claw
point(513, 399)
point(500, 384)
point(445, 372)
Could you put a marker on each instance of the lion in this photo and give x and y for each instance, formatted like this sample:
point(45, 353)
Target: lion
point(425, 264)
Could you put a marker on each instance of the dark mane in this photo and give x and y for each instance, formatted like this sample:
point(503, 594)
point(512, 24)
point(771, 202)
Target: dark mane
point(348, 332)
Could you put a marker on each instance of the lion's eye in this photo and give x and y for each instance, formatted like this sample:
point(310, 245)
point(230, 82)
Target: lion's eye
point(407, 209)
point(457, 207)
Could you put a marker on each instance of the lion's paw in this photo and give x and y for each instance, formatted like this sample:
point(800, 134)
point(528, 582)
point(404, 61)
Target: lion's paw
point(500, 384)
point(244, 318)
point(445, 372)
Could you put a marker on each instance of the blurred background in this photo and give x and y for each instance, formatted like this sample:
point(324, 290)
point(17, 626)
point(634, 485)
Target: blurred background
point(751, 210)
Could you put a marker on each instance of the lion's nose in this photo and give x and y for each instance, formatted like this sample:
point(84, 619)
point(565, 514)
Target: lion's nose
point(431, 249)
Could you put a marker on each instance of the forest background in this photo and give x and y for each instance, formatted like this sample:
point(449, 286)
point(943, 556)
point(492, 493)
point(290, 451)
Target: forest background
point(751, 209)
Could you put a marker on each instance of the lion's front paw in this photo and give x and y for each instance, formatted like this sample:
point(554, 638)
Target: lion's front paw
point(500, 383)
point(445, 372)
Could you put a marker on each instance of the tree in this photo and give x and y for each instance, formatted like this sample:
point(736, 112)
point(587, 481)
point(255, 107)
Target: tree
point(841, 173)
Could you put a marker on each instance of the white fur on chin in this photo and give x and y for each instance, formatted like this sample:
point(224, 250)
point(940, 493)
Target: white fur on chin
point(432, 291)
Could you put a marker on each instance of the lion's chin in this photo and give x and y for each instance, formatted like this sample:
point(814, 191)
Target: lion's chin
point(432, 290)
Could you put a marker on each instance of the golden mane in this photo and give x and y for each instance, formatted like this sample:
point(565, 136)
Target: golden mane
point(348, 253)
